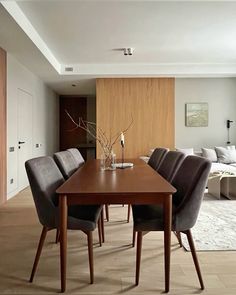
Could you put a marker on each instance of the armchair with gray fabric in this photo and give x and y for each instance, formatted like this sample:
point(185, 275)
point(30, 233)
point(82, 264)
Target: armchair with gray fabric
point(170, 164)
point(155, 160)
point(44, 178)
point(156, 157)
point(66, 163)
point(79, 160)
point(190, 182)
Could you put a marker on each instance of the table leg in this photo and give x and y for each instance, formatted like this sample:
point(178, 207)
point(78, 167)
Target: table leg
point(167, 238)
point(63, 239)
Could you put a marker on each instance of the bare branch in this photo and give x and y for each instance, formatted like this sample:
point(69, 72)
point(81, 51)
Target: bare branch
point(73, 121)
point(124, 131)
point(98, 134)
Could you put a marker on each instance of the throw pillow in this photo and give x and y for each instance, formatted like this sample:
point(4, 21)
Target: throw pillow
point(210, 154)
point(226, 156)
point(230, 147)
point(187, 152)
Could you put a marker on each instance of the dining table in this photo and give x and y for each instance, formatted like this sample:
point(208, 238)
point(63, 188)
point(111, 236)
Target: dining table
point(139, 184)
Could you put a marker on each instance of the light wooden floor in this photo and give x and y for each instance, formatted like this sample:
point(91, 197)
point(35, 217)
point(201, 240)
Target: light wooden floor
point(114, 261)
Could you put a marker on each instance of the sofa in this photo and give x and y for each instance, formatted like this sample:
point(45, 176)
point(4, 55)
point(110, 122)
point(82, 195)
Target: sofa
point(222, 178)
point(222, 158)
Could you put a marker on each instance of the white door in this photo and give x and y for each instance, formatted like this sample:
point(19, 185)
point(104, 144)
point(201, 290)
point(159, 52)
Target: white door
point(25, 133)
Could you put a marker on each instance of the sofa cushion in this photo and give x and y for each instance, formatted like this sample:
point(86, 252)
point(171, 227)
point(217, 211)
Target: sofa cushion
point(226, 156)
point(210, 154)
point(216, 167)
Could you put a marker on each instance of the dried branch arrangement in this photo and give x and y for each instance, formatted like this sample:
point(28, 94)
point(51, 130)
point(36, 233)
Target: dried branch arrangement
point(99, 135)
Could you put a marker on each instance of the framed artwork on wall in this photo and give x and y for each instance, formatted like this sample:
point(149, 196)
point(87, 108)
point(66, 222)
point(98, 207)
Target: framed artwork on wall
point(196, 114)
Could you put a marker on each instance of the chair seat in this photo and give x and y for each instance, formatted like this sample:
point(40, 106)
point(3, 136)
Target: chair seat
point(148, 217)
point(82, 217)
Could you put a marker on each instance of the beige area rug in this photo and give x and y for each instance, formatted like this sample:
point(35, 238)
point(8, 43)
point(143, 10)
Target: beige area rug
point(215, 229)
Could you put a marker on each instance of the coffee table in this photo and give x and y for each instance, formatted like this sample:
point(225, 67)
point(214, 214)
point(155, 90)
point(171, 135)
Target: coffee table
point(222, 183)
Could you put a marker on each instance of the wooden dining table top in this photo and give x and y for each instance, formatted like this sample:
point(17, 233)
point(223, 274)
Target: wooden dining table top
point(140, 179)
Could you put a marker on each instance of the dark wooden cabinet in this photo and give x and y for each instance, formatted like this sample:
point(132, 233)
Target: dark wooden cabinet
point(70, 136)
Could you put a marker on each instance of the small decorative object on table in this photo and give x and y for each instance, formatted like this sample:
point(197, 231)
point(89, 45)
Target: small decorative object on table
point(108, 158)
point(123, 165)
point(108, 161)
point(122, 142)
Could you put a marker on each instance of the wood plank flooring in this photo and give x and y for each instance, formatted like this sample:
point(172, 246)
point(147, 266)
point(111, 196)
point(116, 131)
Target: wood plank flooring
point(114, 261)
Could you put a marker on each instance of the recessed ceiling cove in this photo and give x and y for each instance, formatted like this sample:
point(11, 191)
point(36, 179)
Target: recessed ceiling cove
point(168, 38)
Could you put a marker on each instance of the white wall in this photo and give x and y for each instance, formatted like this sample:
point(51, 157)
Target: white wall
point(220, 94)
point(45, 117)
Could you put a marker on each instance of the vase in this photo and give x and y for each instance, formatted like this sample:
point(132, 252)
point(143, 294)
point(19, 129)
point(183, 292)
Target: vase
point(108, 161)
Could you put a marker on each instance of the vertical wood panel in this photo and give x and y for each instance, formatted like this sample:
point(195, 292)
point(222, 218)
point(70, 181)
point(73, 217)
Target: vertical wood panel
point(2, 126)
point(150, 101)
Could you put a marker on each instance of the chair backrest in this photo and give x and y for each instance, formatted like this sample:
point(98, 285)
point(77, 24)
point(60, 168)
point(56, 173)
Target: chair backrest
point(44, 178)
point(156, 157)
point(170, 164)
point(190, 182)
point(79, 160)
point(66, 163)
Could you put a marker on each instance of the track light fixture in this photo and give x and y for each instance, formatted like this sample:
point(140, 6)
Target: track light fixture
point(128, 51)
point(228, 123)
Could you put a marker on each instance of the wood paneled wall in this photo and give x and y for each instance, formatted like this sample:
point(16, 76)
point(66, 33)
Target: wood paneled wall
point(3, 59)
point(150, 101)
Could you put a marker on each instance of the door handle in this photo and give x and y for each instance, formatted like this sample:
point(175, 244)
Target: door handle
point(21, 142)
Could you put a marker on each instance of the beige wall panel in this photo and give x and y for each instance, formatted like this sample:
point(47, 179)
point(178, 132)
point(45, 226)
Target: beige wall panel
point(150, 101)
point(3, 99)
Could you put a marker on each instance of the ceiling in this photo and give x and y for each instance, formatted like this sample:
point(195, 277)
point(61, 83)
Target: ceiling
point(170, 38)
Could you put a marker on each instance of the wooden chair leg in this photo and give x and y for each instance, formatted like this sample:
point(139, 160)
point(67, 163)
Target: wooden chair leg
point(178, 235)
point(107, 212)
point(38, 253)
point(90, 254)
point(134, 238)
point(100, 230)
point(138, 256)
point(128, 215)
point(57, 236)
point(102, 224)
point(195, 259)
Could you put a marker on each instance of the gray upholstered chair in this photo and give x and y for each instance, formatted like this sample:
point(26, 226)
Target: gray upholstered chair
point(66, 163)
point(170, 165)
point(190, 182)
point(156, 157)
point(68, 166)
point(44, 178)
point(155, 160)
point(79, 160)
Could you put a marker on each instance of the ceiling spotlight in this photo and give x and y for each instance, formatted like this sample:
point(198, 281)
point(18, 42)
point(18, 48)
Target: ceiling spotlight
point(128, 51)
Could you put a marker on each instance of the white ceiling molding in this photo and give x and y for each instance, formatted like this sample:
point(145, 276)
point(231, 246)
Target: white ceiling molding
point(173, 70)
point(14, 10)
point(133, 68)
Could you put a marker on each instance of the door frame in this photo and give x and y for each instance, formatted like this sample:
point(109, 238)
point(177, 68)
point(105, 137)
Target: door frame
point(3, 123)
point(20, 90)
